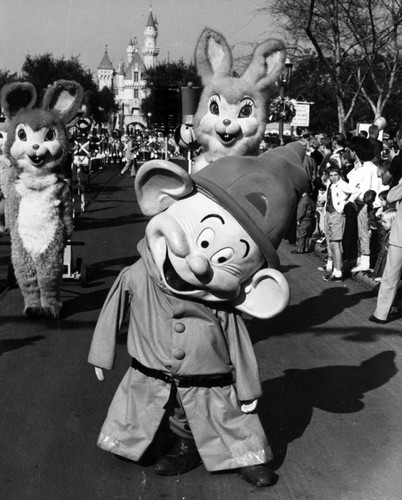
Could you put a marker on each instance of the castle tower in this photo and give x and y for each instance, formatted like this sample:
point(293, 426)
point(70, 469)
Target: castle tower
point(150, 51)
point(120, 80)
point(130, 50)
point(105, 72)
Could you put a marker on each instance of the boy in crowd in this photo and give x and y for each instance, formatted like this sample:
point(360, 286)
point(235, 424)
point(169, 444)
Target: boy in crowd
point(337, 195)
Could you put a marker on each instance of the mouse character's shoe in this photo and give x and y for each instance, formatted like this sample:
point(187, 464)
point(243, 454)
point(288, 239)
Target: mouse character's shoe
point(182, 458)
point(259, 475)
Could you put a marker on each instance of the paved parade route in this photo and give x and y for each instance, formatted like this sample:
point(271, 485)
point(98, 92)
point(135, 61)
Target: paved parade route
point(332, 386)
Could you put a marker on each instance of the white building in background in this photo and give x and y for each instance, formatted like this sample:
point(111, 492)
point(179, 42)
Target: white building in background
point(127, 81)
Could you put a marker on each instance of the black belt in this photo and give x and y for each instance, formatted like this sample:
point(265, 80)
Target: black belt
point(183, 381)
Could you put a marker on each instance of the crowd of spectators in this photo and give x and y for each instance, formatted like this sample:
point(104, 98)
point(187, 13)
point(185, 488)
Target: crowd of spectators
point(344, 208)
point(354, 193)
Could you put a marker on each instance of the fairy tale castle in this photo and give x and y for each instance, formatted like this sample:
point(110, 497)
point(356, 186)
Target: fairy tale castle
point(127, 81)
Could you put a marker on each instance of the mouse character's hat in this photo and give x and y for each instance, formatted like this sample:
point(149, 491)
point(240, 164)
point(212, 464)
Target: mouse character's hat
point(260, 192)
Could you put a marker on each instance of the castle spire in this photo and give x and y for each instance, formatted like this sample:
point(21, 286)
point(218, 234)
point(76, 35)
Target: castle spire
point(105, 63)
point(149, 50)
point(151, 21)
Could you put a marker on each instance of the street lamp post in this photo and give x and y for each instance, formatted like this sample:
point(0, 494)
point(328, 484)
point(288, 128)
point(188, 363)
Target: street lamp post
point(283, 82)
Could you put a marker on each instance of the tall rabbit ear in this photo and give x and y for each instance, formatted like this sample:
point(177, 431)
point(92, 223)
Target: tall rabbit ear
point(266, 63)
point(64, 98)
point(213, 56)
point(160, 183)
point(17, 96)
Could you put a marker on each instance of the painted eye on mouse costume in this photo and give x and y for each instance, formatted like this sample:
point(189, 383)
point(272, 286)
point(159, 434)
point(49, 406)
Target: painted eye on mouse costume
point(222, 256)
point(51, 135)
point(22, 135)
point(205, 238)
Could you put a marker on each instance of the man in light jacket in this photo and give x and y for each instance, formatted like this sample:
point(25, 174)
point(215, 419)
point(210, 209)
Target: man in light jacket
point(393, 266)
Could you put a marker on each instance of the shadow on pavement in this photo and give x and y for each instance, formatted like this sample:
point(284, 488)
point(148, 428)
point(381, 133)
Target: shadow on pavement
point(287, 404)
point(13, 344)
point(85, 302)
point(313, 311)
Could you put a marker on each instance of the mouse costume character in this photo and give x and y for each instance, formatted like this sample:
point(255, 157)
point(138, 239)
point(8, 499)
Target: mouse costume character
point(209, 254)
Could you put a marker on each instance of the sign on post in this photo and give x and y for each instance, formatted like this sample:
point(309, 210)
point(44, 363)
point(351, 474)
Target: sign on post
point(302, 116)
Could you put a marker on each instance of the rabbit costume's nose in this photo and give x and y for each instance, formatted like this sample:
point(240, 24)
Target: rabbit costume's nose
point(227, 122)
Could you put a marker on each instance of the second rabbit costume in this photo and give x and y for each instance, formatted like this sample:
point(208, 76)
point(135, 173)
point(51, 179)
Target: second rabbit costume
point(37, 195)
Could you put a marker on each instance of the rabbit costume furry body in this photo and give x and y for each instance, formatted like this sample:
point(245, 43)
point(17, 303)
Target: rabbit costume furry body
point(38, 197)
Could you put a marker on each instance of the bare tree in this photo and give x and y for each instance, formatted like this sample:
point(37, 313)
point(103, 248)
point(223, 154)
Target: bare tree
point(358, 42)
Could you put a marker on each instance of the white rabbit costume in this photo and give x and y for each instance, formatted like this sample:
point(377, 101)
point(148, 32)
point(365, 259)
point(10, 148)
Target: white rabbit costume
point(231, 115)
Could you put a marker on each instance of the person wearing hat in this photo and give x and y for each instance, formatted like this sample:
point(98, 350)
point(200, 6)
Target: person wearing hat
point(209, 254)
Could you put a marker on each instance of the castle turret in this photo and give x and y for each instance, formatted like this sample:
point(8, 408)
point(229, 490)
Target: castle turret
point(105, 72)
point(130, 51)
point(150, 51)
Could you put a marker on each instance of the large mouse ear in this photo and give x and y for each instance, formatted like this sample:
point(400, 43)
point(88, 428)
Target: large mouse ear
point(265, 295)
point(159, 184)
point(17, 96)
point(64, 98)
point(212, 56)
point(266, 63)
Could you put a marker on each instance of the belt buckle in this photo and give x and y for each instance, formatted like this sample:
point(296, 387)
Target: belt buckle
point(167, 378)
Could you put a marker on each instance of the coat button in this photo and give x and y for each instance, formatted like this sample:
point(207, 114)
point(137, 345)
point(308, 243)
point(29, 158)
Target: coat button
point(179, 327)
point(179, 354)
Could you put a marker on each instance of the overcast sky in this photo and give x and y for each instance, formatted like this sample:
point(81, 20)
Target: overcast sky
point(83, 27)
